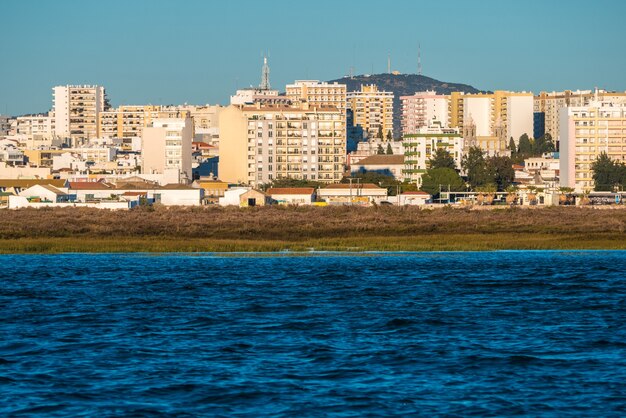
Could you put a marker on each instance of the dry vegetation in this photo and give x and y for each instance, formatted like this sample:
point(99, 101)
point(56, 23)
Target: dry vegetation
point(301, 228)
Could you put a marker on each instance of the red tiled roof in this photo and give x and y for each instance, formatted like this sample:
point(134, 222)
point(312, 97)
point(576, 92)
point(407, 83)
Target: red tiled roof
point(89, 185)
point(354, 186)
point(291, 190)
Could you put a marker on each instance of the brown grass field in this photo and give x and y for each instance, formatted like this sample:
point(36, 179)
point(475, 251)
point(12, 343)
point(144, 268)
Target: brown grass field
point(278, 228)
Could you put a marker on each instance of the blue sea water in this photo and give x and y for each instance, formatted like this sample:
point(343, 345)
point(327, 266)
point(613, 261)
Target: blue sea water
point(384, 334)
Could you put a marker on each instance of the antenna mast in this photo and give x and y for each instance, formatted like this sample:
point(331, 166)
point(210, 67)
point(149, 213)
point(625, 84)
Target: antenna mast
point(265, 75)
point(419, 59)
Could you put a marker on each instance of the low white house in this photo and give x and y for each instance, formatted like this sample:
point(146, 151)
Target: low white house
point(417, 198)
point(168, 195)
point(45, 193)
point(354, 193)
point(292, 195)
point(232, 196)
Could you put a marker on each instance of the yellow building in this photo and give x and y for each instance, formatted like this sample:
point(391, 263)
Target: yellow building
point(586, 132)
point(126, 121)
point(371, 110)
point(265, 142)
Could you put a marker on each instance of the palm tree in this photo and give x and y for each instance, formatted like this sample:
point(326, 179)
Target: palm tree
point(511, 197)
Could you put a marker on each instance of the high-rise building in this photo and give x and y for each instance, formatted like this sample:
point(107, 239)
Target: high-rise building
point(586, 132)
point(372, 110)
point(262, 143)
point(512, 111)
point(421, 109)
point(317, 93)
point(76, 110)
point(166, 148)
point(550, 104)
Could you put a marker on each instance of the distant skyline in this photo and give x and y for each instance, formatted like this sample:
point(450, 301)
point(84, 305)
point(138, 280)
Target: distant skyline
point(166, 52)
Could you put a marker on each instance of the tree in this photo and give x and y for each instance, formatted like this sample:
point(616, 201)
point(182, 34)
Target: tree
point(380, 150)
point(444, 177)
point(379, 135)
point(389, 150)
point(525, 146)
point(500, 171)
point(512, 146)
point(607, 174)
point(442, 159)
point(389, 137)
point(474, 165)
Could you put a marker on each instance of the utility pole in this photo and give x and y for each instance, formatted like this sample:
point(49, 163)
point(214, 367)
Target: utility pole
point(350, 179)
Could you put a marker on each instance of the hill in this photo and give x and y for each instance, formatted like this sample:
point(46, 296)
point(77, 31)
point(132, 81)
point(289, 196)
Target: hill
point(403, 85)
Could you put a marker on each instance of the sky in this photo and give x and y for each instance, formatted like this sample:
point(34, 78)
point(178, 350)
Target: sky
point(198, 52)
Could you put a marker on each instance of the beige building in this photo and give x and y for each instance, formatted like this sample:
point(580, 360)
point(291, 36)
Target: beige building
point(262, 143)
point(586, 132)
point(126, 121)
point(371, 110)
point(76, 110)
point(502, 113)
point(550, 104)
point(317, 93)
point(166, 148)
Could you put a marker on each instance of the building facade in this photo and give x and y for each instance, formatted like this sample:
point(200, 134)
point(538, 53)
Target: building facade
point(586, 132)
point(551, 103)
point(512, 111)
point(263, 143)
point(76, 111)
point(166, 148)
point(420, 109)
point(372, 110)
point(421, 146)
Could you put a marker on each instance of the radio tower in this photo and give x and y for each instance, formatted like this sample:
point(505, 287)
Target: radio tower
point(419, 59)
point(265, 75)
point(389, 64)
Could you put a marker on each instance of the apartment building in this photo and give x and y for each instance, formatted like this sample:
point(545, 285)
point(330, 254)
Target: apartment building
point(512, 111)
point(262, 143)
point(317, 93)
point(371, 110)
point(5, 125)
point(76, 110)
point(420, 147)
point(126, 121)
point(586, 132)
point(420, 109)
point(166, 148)
point(547, 105)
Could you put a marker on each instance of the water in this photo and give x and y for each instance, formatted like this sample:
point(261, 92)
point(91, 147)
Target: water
point(457, 334)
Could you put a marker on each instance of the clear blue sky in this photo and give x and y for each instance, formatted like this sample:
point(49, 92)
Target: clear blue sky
point(160, 52)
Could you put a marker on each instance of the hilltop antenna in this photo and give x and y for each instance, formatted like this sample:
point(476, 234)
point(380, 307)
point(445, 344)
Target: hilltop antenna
point(419, 59)
point(389, 64)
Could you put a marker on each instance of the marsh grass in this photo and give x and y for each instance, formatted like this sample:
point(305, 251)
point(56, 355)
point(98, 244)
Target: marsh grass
point(305, 228)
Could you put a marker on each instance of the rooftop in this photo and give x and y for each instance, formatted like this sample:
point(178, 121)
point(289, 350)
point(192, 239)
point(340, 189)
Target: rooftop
point(382, 160)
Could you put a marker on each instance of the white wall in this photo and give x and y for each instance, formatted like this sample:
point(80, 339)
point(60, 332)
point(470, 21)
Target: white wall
point(478, 109)
point(519, 117)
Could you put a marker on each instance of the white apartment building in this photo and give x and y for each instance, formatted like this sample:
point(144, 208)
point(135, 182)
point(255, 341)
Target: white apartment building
point(420, 109)
point(76, 110)
point(586, 132)
point(551, 103)
point(262, 143)
point(33, 131)
point(252, 95)
point(166, 148)
point(421, 146)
